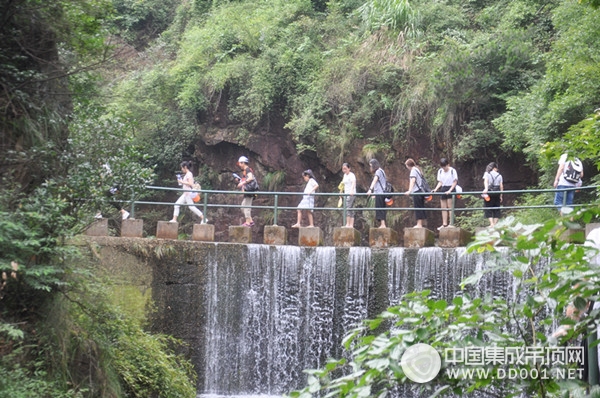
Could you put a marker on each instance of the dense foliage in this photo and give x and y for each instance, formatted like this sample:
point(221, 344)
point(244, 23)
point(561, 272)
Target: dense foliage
point(59, 334)
point(549, 274)
point(470, 79)
point(139, 85)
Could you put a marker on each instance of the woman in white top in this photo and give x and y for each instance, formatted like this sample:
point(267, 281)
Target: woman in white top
point(493, 187)
point(416, 185)
point(187, 182)
point(349, 182)
point(308, 200)
point(377, 187)
point(447, 180)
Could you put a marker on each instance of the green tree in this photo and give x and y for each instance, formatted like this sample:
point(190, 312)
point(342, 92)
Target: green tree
point(52, 152)
point(568, 90)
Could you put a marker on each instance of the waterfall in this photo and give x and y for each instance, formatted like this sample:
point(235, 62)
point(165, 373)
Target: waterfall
point(356, 299)
point(279, 321)
point(273, 311)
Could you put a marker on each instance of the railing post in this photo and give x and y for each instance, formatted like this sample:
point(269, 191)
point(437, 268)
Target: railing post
point(205, 206)
point(345, 210)
point(452, 209)
point(132, 212)
point(275, 209)
point(592, 358)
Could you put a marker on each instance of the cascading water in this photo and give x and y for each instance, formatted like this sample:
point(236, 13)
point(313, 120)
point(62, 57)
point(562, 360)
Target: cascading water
point(356, 299)
point(273, 311)
point(279, 323)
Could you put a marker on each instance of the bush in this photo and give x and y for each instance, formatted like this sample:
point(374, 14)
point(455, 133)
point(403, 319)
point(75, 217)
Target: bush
point(549, 274)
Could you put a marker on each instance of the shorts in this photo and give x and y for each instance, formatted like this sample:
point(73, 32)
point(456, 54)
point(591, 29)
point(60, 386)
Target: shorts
point(445, 188)
point(307, 202)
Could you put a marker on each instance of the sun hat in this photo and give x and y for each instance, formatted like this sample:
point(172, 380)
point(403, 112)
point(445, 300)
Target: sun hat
point(243, 159)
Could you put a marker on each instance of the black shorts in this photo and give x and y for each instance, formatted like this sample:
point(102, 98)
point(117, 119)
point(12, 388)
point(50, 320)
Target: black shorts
point(445, 188)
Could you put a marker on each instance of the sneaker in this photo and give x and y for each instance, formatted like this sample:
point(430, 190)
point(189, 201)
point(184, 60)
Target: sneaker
point(441, 227)
point(98, 215)
point(124, 215)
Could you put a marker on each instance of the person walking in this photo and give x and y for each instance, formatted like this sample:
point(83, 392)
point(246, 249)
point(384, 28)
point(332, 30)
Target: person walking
point(349, 182)
point(568, 175)
point(246, 183)
point(415, 185)
point(447, 180)
point(493, 186)
point(308, 200)
point(377, 188)
point(112, 193)
point(187, 182)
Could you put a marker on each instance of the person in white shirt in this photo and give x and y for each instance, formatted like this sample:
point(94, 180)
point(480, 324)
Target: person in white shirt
point(568, 175)
point(447, 180)
point(349, 182)
point(377, 187)
point(308, 200)
point(187, 182)
point(247, 178)
point(416, 184)
point(493, 185)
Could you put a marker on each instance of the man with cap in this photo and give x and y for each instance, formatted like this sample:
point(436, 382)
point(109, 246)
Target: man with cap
point(243, 183)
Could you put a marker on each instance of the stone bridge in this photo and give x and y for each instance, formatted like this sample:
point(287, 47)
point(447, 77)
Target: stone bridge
point(313, 236)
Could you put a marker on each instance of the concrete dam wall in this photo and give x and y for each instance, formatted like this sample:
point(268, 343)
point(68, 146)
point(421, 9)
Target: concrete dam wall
point(255, 316)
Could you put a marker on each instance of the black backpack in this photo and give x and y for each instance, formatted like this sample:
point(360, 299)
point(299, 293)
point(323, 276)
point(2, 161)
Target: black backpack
point(424, 186)
point(573, 170)
point(388, 189)
point(252, 186)
point(388, 186)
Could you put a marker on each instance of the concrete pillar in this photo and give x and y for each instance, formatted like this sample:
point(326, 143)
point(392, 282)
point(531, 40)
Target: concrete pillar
point(590, 227)
point(167, 230)
point(203, 232)
point(132, 228)
point(382, 237)
point(98, 228)
point(240, 234)
point(418, 237)
point(310, 236)
point(573, 235)
point(346, 237)
point(275, 235)
point(454, 237)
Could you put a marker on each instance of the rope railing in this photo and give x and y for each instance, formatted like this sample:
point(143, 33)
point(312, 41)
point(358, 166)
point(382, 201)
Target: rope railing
point(276, 208)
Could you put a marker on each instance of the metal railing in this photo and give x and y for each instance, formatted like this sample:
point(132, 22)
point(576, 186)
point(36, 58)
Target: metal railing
point(276, 208)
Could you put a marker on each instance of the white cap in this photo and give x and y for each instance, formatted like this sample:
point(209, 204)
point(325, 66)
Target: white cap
point(243, 159)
